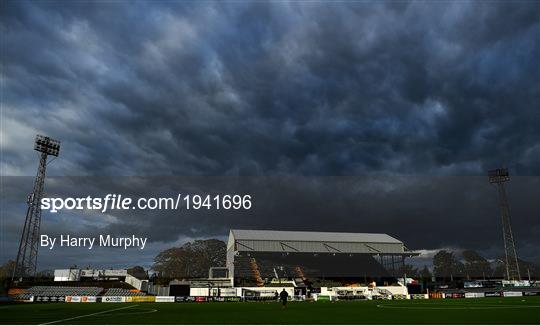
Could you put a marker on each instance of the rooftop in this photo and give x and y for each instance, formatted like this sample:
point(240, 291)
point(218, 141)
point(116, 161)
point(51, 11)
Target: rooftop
point(272, 235)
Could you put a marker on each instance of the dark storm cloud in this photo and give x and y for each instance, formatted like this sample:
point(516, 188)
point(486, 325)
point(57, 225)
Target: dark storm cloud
point(271, 88)
point(279, 88)
point(424, 212)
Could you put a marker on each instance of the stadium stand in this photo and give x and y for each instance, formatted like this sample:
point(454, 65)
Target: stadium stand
point(41, 290)
point(62, 291)
point(254, 257)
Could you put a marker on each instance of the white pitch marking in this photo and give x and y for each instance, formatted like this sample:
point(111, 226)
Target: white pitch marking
point(454, 307)
point(93, 314)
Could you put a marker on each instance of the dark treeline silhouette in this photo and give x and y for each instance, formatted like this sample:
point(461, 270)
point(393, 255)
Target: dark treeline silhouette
point(193, 259)
point(469, 265)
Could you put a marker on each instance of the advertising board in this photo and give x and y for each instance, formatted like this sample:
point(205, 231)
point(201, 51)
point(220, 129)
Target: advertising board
point(70, 298)
point(475, 295)
point(164, 299)
point(43, 298)
point(30, 299)
point(457, 295)
point(184, 299)
point(419, 296)
point(88, 299)
point(143, 298)
point(399, 296)
point(113, 299)
point(232, 299)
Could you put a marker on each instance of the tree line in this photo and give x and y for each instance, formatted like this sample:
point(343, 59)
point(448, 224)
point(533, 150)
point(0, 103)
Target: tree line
point(468, 265)
point(194, 259)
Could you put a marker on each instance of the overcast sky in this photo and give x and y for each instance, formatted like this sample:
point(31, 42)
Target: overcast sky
point(428, 89)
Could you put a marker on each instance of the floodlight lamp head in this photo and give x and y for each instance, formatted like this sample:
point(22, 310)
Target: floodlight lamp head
point(498, 175)
point(47, 145)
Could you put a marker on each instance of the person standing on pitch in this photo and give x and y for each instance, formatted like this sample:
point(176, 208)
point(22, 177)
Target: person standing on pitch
point(283, 297)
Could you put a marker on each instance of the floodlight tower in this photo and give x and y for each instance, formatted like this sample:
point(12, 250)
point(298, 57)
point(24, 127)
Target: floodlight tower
point(499, 177)
point(25, 265)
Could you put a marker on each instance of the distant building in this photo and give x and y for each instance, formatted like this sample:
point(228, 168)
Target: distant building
point(75, 275)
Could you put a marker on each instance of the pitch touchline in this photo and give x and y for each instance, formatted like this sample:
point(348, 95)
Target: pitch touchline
point(440, 307)
point(93, 314)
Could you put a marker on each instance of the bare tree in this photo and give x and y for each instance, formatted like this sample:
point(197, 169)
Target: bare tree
point(475, 265)
point(193, 259)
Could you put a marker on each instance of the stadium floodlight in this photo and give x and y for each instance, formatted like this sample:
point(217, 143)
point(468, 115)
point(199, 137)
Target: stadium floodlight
point(47, 145)
point(26, 263)
point(499, 177)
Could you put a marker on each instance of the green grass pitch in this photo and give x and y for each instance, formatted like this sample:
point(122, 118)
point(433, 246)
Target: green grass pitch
point(522, 310)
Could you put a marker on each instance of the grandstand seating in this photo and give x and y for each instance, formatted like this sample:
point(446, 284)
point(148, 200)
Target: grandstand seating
point(58, 291)
point(62, 291)
point(255, 272)
point(259, 266)
point(21, 296)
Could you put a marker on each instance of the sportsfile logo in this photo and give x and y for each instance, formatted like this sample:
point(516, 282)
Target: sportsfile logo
point(120, 202)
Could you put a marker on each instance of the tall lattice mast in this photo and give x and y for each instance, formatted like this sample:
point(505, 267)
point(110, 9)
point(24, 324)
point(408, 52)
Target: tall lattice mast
point(499, 177)
point(26, 263)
